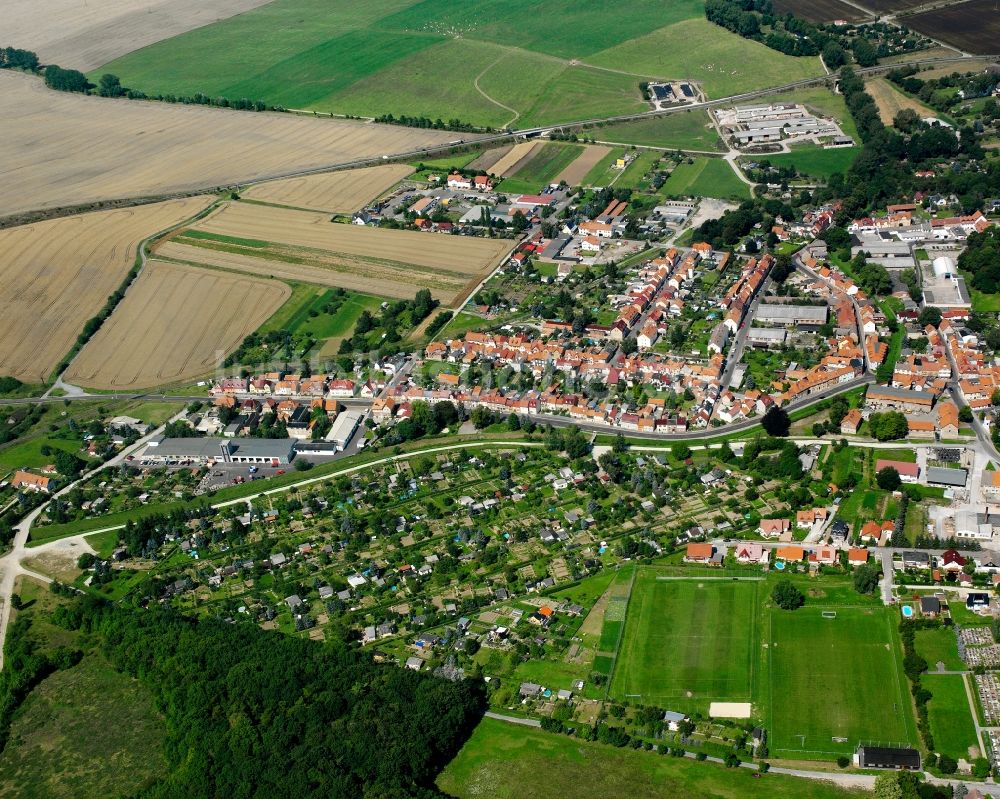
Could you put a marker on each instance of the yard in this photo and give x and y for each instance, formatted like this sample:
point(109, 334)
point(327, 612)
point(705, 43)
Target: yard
point(825, 677)
point(687, 643)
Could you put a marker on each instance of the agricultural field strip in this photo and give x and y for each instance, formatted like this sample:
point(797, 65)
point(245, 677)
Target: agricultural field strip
point(470, 256)
point(516, 158)
point(153, 148)
point(333, 192)
point(85, 36)
point(57, 274)
point(176, 322)
point(591, 156)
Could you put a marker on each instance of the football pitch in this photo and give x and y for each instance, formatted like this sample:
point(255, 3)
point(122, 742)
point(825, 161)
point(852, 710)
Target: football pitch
point(687, 643)
point(834, 682)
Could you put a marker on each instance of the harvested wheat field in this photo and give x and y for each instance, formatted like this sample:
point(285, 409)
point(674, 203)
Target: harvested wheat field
point(176, 323)
point(489, 159)
point(574, 174)
point(891, 101)
point(148, 148)
point(84, 34)
point(56, 275)
point(518, 156)
point(335, 192)
point(389, 263)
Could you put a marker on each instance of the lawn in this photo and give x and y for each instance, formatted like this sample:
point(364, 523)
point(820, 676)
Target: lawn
point(505, 761)
point(938, 644)
point(78, 718)
point(542, 169)
point(705, 177)
point(722, 62)
point(827, 677)
point(687, 643)
point(817, 162)
point(950, 717)
point(691, 130)
point(28, 454)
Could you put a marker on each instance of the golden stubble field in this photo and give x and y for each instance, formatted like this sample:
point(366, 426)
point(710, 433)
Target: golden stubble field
point(890, 101)
point(55, 275)
point(176, 323)
point(334, 192)
point(60, 149)
point(302, 245)
point(84, 34)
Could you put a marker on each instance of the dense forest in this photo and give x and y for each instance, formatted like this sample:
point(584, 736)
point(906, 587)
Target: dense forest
point(253, 713)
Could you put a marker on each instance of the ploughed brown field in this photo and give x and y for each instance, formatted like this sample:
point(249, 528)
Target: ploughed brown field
point(973, 27)
point(83, 34)
point(55, 275)
point(306, 246)
point(820, 10)
point(176, 323)
point(334, 192)
point(60, 149)
point(582, 164)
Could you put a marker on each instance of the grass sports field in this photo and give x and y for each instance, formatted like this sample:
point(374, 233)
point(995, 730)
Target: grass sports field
point(506, 761)
point(525, 63)
point(950, 716)
point(825, 677)
point(687, 643)
point(688, 131)
point(706, 177)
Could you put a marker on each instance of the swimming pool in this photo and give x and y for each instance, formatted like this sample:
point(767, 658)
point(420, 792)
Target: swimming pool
point(779, 565)
point(907, 612)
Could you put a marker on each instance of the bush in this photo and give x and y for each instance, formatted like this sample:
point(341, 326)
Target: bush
point(843, 761)
point(947, 764)
point(786, 596)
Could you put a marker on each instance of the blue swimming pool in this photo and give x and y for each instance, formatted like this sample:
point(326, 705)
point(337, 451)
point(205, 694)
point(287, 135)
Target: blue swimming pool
point(779, 565)
point(907, 611)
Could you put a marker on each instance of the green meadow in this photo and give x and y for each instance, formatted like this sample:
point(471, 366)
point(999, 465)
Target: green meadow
point(706, 177)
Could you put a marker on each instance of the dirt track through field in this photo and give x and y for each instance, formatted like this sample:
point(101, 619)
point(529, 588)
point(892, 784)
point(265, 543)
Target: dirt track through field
point(334, 192)
point(84, 34)
point(518, 156)
point(581, 166)
point(61, 149)
point(176, 323)
point(55, 275)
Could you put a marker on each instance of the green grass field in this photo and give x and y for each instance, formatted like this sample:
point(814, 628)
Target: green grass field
point(634, 175)
point(722, 62)
point(706, 177)
point(687, 643)
point(541, 170)
point(949, 715)
point(686, 131)
point(28, 454)
point(78, 718)
point(505, 761)
point(817, 162)
point(555, 62)
point(835, 682)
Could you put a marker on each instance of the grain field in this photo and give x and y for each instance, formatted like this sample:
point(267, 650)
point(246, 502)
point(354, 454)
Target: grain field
point(518, 156)
point(176, 323)
point(379, 261)
point(61, 149)
point(334, 192)
point(55, 275)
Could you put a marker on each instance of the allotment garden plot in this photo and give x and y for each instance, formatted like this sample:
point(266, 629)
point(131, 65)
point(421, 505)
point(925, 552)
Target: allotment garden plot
point(835, 682)
point(688, 642)
point(306, 246)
